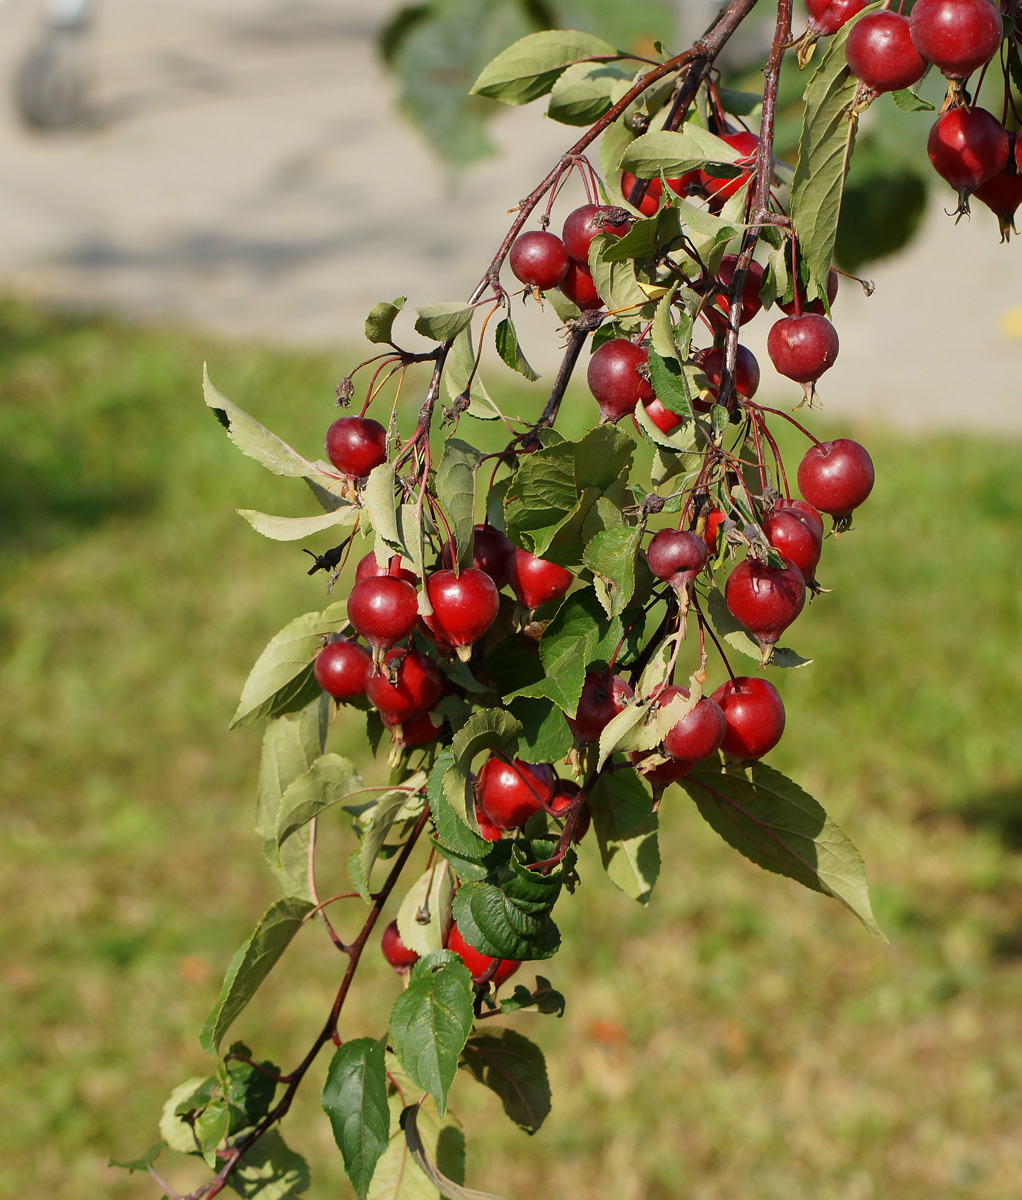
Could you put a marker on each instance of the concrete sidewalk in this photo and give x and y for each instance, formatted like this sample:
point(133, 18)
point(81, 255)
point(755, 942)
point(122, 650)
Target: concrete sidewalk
point(248, 174)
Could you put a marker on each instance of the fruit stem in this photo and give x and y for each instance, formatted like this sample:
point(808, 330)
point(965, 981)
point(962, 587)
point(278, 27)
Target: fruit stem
point(787, 416)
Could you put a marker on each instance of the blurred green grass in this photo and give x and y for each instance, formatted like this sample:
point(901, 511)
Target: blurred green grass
point(741, 1036)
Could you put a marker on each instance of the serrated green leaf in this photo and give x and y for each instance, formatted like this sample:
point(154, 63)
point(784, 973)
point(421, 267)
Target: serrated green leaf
point(460, 376)
point(430, 898)
point(530, 67)
point(735, 634)
point(251, 965)
point(661, 335)
point(354, 1097)
point(379, 327)
point(327, 781)
point(443, 322)
point(143, 1163)
point(545, 736)
point(281, 681)
point(420, 1156)
point(611, 556)
point(211, 1126)
point(506, 341)
point(614, 280)
point(674, 153)
point(270, 1170)
point(384, 814)
point(175, 1131)
point(584, 92)
point(290, 746)
point(626, 830)
point(824, 148)
point(456, 491)
point(430, 1022)
point(541, 493)
point(513, 1067)
point(253, 439)
point(249, 1091)
point(493, 925)
point(781, 828)
point(380, 510)
point(672, 384)
point(544, 999)
point(452, 830)
point(565, 649)
point(721, 228)
point(291, 529)
point(740, 104)
point(397, 1176)
point(908, 101)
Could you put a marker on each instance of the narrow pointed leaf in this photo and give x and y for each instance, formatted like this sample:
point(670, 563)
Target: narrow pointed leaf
point(291, 529)
point(253, 439)
point(251, 965)
point(529, 67)
point(506, 339)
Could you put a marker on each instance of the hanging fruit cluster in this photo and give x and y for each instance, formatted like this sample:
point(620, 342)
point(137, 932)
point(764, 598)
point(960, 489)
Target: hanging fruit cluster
point(548, 635)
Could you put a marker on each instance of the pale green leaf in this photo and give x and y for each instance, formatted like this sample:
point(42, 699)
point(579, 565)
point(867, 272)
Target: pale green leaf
point(443, 322)
point(328, 780)
point(380, 322)
point(291, 529)
point(510, 351)
point(626, 830)
point(529, 68)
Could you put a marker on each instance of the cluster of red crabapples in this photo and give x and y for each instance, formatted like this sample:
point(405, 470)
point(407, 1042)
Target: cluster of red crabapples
point(968, 146)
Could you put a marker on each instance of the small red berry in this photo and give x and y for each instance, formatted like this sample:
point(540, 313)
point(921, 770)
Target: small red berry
point(341, 669)
point(765, 599)
point(464, 607)
point(355, 445)
point(416, 731)
point(751, 303)
point(369, 568)
point(417, 688)
point(511, 792)
point(582, 225)
point(676, 556)
point(665, 420)
point(536, 581)
point(754, 715)
point(881, 53)
point(957, 36)
point(539, 259)
point(746, 373)
point(490, 550)
point(802, 348)
point(796, 536)
point(383, 610)
point(396, 952)
point(1003, 194)
point(967, 147)
point(603, 697)
point(827, 16)
point(699, 733)
point(578, 286)
point(836, 477)
point(615, 381)
point(478, 964)
point(666, 773)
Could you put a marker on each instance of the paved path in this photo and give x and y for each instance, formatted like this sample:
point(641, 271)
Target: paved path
point(248, 174)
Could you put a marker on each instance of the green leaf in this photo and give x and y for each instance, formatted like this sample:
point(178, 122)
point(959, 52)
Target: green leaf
point(584, 92)
point(290, 745)
point(380, 322)
point(513, 1067)
point(610, 555)
point(328, 780)
point(420, 1156)
point(270, 1170)
point(824, 148)
point(443, 322)
point(384, 813)
point(781, 828)
point(139, 1164)
point(430, 1022)
point(626, 829)
point(452, 831)
point(506, 340)
point(211, 1126)
point(249, 1091)
point(176, 1132)
point(491, 729)
point(456, 491)
point(291, 529)
point(282, 681)
point(545, 736)
point(675, 153)
point(460, 376)
point(397, 1176)
point(530, 67)
point(735, 634)
point(354, 1097)
point(674, 383)
point(740, 104)
point(908, 101)
point(614, 280)
point(541, 493)
point(380, 508)
point(544, 999)
point(565, 651)
point(251, 965)
point(254, 439)
point(429, 897)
